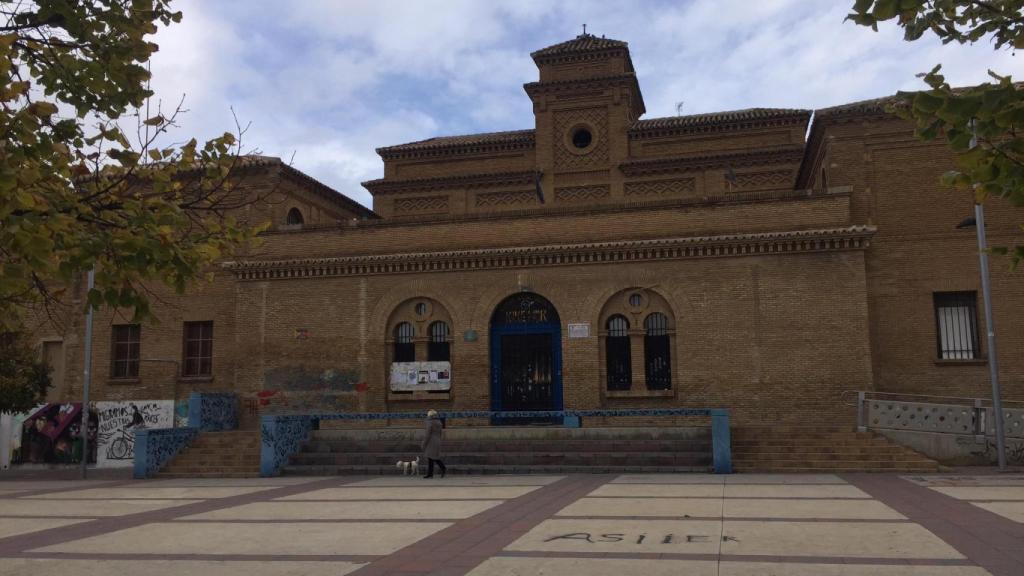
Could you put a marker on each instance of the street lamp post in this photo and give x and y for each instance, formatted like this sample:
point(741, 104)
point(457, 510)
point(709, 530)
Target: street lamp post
point(87, 376)
point(993, 363)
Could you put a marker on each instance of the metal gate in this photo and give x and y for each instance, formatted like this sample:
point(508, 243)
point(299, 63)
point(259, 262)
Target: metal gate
point(526, 355)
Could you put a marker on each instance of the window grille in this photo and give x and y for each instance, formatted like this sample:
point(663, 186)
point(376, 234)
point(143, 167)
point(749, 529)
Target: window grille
point(439, 347)
point(657, 352)
point(405, 349)
point(956, 320)
point(295, 217)
point(198, 357)
point(617, 354)
point(125, 344)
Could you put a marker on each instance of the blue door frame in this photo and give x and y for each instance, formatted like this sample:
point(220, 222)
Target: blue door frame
point(499, 330)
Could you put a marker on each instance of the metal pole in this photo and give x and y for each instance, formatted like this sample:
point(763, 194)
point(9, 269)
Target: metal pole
point(993, 363)
point(87, 376)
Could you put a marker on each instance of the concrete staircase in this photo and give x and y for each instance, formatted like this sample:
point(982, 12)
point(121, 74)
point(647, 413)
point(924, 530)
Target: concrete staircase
point(234, 454)
point(509, 450)
point(821, 449)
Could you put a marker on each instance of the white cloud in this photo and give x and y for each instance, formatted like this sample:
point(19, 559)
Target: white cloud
point(331, 81)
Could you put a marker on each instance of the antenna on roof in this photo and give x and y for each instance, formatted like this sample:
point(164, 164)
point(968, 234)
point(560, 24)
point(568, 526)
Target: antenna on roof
point(584, 29)
point(679, 107)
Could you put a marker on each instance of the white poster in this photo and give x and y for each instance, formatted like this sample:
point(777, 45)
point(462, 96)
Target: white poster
point(115, 444)
point(413, 376)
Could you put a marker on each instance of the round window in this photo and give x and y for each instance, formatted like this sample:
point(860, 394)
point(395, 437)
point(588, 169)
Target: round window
point(635, 300)
point(421, 309)
point(581, 138)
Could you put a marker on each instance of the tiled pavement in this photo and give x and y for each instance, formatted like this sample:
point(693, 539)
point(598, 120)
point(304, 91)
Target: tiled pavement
point(593, 525)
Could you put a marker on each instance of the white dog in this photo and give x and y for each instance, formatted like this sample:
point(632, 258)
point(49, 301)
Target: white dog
point(409, 467)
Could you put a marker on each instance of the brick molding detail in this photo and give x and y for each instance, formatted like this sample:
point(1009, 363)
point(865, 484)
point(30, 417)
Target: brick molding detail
point(421, 204)
point(767, 179)
point(581, 193)
point(774, 243)
point(661, 188)
point(514, 198)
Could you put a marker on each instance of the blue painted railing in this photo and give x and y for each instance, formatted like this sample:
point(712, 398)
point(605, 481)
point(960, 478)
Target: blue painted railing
point(213, 411)
point(155, 448)
point(282, 435)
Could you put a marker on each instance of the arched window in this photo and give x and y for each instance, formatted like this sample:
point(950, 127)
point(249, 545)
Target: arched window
point(405, 349)
point(657, 356)
point(294, 217)
point(439, 347)
point(617, 355)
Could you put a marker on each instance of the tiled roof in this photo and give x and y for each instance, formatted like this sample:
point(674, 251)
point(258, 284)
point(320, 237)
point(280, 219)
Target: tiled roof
point(872, 106)
point(440, 142)
point(325, 191)
point(697, 120)
point(581, 43)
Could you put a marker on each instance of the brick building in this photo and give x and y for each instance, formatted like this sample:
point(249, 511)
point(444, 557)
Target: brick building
point(763, 260)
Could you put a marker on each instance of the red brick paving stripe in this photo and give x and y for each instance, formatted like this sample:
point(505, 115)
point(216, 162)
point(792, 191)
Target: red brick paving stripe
point(740, 519)
point(466, 544)
point(631, 497)
point(28, 494)
point(356, 559)
point(49, 537)
point(989, 540)
point(741, 558)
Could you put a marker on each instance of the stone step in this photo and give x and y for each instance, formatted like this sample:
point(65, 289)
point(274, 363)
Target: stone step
point(414, 447)
point(832, 470)
point(517, 458)
point(852, 451)
point(889, 464)
point(316, 470)
point(165, 474)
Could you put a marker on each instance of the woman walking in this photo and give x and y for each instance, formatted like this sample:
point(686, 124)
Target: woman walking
point(432, 444)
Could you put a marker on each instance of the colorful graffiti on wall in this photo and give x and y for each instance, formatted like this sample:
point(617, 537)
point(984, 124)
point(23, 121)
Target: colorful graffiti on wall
point(302, 390)
point(118, 423)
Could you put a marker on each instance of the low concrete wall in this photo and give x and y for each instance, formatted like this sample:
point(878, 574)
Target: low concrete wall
point(957, 449)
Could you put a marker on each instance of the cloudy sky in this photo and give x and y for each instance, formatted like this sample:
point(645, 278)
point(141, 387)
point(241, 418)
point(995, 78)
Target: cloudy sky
point(327, 81)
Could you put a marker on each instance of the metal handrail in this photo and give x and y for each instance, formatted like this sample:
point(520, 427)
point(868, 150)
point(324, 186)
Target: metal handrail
point(964, 400)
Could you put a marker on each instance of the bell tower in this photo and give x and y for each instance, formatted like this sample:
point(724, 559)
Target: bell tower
point(584, 103)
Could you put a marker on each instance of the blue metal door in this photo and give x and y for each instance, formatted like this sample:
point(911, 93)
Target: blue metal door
point(526, 355)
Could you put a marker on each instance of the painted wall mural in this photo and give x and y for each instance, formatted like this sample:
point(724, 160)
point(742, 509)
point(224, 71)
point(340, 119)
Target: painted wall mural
point(304, 390)
point(118, 423)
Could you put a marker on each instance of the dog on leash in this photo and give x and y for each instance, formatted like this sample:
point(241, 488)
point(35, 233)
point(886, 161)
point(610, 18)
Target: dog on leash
point(409, 467)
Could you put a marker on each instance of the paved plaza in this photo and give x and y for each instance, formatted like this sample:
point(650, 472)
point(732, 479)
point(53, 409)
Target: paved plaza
point(593, 525)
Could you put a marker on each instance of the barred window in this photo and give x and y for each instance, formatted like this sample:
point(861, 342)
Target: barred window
point(198, 357)
point(657, 352)
point(295, 217)
point(439, 347)
point(125, 345)
point(956, 320)
point(618, 363)
point(405, 349)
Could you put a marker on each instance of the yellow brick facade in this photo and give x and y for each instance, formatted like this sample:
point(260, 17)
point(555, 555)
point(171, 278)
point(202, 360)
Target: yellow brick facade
point(792, 271)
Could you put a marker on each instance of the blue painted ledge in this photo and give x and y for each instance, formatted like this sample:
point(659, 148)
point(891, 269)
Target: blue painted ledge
point(155, 448)
point(280, 437)
point(213, 411)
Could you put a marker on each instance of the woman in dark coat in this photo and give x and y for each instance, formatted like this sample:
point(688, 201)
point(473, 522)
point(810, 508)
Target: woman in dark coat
point(432, 444)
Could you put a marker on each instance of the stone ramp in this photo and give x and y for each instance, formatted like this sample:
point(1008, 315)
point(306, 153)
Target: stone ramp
point(510, 450)
point(821, 449)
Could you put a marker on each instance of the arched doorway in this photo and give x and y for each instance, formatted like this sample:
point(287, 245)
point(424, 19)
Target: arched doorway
point(526, 355)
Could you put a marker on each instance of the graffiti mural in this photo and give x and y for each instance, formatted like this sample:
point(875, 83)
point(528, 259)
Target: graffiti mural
point(118, 423)
point(302, 390)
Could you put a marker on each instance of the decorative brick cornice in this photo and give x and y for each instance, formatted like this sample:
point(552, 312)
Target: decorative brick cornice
point(389, 186)
point(535, 89)
point(781, 155)
point(693, 247)
point(485, 143)
point(718, 122)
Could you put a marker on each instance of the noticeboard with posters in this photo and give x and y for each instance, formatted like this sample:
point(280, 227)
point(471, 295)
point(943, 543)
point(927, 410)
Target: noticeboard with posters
point(421, 376)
